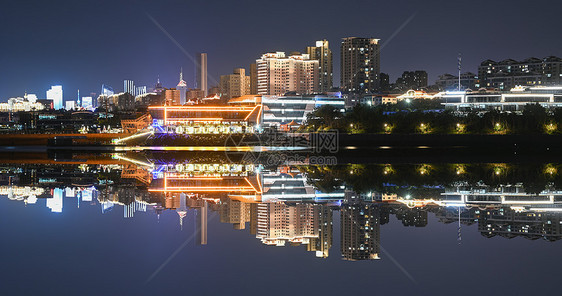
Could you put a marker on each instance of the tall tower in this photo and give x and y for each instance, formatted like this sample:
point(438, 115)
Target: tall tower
point(202, 73)
point(182, 88)
point(360, 65)
point(322, 53)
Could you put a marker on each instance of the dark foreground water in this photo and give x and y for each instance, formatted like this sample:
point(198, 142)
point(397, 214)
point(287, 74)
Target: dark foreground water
point(112, 229)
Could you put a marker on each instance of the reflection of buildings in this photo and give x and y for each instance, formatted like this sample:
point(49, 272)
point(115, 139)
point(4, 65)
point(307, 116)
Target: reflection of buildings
point(279, 223)
point(235, 212)
point(360, 231)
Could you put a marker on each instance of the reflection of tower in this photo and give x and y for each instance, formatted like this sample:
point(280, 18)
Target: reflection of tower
point(360, 231)
point(202, 224)
point(182, 209)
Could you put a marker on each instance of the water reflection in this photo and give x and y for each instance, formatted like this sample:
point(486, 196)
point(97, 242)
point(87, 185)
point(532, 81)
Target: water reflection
point(294, 205)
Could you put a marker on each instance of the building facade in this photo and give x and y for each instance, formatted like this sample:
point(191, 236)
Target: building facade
point(278, 74)
point(235, 85)
point(360, 65)
point(55, 94)
point(322, 53)
point(509, 73)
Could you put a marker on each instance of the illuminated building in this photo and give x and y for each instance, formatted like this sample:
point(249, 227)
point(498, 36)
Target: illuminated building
point(70, 105)
point(322, 53)
point(235, 85)
point(28, 103)
point(282, 110)
point(182, 89)
point(278, 74)
point(55, 94)
point(129, 87)
point(279, 223)
point(289, 184)
point(321, 245)
point(201, 67)
point(512, 100)
point(235, 212)
point(206, 119)
point(360, 231)
point(360, 65)
point(140, 90)
point(376, 100)
point(106, 90)
point(55, 203)
point(509, 73)
point(87, 103)
point(122, 102)
point(172, 97)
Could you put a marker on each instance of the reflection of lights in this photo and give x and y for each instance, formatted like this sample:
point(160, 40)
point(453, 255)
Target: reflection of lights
point(550, 170)
point(546, 209)
point(424, 169)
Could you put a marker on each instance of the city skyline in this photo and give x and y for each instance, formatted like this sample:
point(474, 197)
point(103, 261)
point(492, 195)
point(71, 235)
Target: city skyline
point(79, 64)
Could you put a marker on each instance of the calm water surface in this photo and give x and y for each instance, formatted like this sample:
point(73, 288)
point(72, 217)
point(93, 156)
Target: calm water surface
point(111, 227)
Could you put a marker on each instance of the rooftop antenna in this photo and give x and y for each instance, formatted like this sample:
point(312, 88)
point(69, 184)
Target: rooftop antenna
point(460, 60)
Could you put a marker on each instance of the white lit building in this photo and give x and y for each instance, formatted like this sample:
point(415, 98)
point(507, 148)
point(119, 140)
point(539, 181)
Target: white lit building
point(87, 103)
point(69, 105)
point(513, 100)
point(28, 103)
point(279, 110)
point(55, 94)
point(279, 74)
point(129, 87)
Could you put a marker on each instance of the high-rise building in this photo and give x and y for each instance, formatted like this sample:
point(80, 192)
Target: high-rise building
point(235, 85)
point(322, 53)
point(55, 94)
point(182, 88)
point(412, 80)
point(129, 87)
point(279, 74)
point(253, 79)
point(202, 73)
point(360, 231)
point(360, 65)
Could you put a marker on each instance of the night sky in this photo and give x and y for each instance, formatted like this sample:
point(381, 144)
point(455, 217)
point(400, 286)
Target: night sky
point(82, 44)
